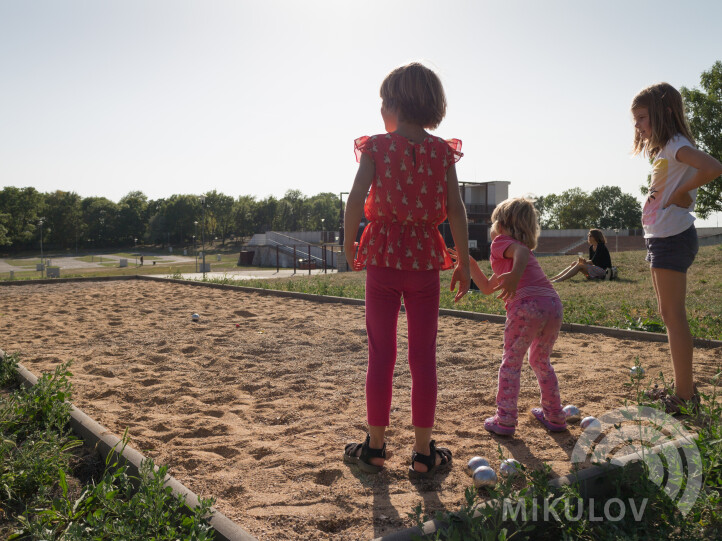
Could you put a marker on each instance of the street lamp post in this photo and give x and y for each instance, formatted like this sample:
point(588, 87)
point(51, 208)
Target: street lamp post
point(135, 249)
point(195, 235)
point(340, 214)
point(616, 239)
point(42, 260)
point(203, 236)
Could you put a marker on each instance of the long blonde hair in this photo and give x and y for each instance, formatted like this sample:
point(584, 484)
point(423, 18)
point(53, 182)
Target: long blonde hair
point(520, 219)
point(666, 118)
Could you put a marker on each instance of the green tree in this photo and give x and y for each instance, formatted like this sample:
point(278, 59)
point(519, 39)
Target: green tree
point(607, 207)
point(25, 207)
point(264, 214)
point(323, 209)
point(704, 112)
point(179, 212)
point(64, 214)
point(100, 215)
point(132, 217)
point(243, 215)
point(617, 209)
point(4, 236)
point(546, 205)
point(220, 207)
point(577, 210)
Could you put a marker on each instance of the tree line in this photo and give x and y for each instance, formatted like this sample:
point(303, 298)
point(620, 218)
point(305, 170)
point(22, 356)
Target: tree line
point(606, 207)
point(68, 220)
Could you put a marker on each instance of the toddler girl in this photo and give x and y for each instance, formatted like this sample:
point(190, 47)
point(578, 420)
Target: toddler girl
point(533, 315)
point(407, 179)
point(678, 169)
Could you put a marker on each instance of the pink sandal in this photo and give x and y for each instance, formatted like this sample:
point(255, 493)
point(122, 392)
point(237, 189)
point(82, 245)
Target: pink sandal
point(492, 424)
point(538, 414)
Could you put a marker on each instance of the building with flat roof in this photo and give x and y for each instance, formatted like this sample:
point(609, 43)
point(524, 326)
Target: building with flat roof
point(480, 200)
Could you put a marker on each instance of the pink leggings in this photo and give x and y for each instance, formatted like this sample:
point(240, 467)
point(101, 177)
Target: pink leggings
point(533, 324)
point(420, 290)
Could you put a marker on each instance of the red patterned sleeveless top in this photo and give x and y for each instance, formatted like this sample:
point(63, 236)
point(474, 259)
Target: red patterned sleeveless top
point(406, 202)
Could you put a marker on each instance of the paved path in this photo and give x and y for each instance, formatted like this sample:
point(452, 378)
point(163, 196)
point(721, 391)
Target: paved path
point(73, 262)
point(251, 274)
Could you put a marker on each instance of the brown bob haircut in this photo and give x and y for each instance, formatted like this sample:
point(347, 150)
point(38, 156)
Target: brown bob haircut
point(597, 235)
point(666, 118)
point(415, 93)
point(520, 219)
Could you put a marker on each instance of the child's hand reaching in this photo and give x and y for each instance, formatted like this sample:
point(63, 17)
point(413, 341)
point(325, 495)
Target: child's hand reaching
point(463, 277)
point(455, 255)
point(507, 283)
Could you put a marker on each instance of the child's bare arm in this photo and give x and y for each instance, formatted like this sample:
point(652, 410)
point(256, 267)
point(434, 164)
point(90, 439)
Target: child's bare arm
point(708, 169)
point(355, 206)
point(486, 285)
point(460, 232)
point(509, 281)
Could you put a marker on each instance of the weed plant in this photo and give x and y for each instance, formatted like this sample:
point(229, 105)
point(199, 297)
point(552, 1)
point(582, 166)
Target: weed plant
point(36, 501)
point(482, 516)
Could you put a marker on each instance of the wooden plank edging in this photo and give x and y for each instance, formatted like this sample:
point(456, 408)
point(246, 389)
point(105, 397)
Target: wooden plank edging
point(98, 437)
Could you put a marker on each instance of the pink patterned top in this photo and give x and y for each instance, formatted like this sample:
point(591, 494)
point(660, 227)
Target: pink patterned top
point(533, 283)
point(406, 202)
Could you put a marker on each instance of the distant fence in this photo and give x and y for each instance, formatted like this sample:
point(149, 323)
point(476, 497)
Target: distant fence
point(299, 257)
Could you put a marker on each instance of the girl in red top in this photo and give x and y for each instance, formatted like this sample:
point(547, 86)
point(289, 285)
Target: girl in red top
point(406, 185)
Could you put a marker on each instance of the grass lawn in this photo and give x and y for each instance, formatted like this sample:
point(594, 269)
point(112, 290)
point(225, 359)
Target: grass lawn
point(133, 255)
point(628, 302)
point(30, 263)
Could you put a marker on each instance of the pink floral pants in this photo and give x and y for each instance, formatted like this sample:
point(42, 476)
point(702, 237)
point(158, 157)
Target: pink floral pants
point(532, 324)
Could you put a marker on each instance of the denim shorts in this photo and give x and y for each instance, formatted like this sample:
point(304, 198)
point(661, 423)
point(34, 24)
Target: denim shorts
point(674, 253)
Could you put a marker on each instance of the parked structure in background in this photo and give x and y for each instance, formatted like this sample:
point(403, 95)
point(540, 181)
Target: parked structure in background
point(480, 200)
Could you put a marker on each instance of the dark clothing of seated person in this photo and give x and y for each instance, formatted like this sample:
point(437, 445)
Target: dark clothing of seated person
point(596, 266)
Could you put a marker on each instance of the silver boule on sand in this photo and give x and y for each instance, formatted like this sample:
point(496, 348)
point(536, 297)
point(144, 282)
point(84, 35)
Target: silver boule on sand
point(474, 463)
point(484, 476)
point(572, 413)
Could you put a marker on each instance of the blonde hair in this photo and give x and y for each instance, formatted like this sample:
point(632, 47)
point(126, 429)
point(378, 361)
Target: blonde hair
point(520, 219)
point(598, 236)
point(416, 94)
point(666, 118)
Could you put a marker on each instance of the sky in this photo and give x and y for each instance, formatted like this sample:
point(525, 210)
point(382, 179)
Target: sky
point(257, 98)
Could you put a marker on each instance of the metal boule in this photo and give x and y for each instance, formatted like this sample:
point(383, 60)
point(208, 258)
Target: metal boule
point(572, 413)
point(484, 476)
point(509, 467)
point(474, 463)
point(591, 423)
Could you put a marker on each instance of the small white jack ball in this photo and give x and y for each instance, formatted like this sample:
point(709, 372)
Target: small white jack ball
point(509, 467)
point(195, 317)
point(591, 423)
point(484, 476)
point(636, 371)
point(572, 413)
point(474, 463)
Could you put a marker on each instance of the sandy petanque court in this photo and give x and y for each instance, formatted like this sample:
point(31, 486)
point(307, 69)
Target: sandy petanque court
point(257, 415)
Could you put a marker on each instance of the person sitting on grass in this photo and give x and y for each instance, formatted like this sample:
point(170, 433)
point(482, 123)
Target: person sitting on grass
point(598, 264)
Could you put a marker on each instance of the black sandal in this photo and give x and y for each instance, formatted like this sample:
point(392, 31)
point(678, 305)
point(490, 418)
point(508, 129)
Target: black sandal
point(430, 461)
point(367, 452)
